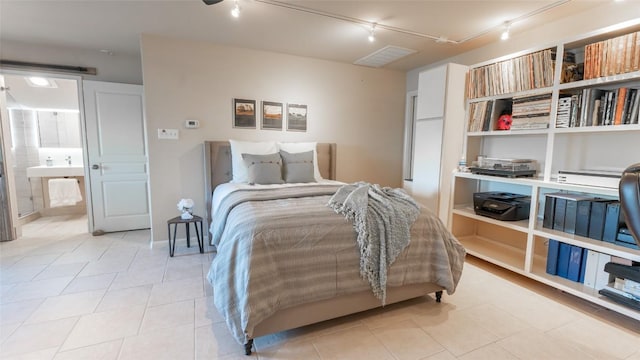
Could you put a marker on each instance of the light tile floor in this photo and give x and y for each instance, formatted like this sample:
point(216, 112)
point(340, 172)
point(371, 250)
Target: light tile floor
point(67, 295)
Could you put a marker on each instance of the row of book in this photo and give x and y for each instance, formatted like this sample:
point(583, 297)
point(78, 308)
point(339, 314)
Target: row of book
point(614, 277)
point(613, 56)
point(589, 107)
point(531, 112)
point(480, 116)
point(597, 107)
point(583, 215)
point(527, 72)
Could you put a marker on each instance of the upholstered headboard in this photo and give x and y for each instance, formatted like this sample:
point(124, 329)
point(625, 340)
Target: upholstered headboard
point(217, 166)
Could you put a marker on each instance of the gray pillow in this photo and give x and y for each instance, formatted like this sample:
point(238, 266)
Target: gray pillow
point(297, 167)
point(263, 169)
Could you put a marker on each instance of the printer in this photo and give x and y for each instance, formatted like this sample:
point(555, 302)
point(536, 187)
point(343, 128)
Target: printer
point(502, 205)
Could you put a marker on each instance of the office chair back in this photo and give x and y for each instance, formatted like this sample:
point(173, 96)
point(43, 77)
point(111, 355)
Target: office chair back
point(630, 199)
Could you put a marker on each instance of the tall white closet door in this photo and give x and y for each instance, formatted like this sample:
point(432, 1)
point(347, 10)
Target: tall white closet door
point(426, 164)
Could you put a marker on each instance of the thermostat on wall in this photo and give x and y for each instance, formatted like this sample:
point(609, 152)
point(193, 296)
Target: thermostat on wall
point(191, 124)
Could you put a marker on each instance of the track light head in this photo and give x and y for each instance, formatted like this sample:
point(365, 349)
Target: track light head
point(505, 32)
point(211, 2)
point(372, 36)
point(235, 12)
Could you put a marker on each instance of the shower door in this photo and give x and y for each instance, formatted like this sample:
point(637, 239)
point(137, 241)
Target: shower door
point(7, 230)
point(5, 216)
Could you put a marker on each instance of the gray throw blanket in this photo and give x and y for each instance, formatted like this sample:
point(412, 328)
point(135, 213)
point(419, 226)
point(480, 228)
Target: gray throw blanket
point(382, 218)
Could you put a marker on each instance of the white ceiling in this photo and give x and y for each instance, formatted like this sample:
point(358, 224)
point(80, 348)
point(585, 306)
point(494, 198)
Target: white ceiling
point(116, 25)
point(64, 96)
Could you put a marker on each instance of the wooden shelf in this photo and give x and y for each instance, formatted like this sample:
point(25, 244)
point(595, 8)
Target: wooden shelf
point(509, 132)
point(538, 91)
point(580, 290)
point(527, 181)
point(508, 257)
point(597, 129)
point(606, 80)
point(587, 243)
point(519, 246)
point(540, 183)
point(467, 211)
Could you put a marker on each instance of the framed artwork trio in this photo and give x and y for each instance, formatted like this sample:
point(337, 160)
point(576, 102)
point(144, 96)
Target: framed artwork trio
point(273, 115)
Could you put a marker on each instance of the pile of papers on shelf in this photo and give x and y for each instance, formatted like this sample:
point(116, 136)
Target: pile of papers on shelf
point(625, 288)
point(531, 112)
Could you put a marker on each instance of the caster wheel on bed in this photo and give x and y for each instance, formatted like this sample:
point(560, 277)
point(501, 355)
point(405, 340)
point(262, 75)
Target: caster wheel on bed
point(438, 296)
point(248, 346)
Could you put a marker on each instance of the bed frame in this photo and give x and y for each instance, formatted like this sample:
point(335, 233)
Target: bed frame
point(217, 166)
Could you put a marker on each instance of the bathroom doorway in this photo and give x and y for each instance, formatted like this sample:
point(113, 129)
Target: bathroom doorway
point(46, 143)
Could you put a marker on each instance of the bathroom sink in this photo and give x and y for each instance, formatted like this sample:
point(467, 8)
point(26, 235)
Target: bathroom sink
point(55, 171)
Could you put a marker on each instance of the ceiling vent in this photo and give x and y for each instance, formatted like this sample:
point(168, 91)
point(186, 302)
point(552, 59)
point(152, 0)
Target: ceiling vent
point(384, 56)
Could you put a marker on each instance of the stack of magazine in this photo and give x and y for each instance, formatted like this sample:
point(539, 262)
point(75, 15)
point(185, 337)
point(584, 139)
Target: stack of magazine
point(531, 112)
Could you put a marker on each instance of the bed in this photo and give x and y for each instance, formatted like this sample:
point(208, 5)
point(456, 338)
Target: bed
point(296, 297)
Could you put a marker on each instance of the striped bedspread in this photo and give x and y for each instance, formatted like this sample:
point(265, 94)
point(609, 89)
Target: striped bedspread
point(283, 247)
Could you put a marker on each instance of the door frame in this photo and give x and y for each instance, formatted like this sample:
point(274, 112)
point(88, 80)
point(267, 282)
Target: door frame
point(411, 105)
point(11, 191)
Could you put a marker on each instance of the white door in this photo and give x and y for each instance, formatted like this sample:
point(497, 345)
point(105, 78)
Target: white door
point(116, 156)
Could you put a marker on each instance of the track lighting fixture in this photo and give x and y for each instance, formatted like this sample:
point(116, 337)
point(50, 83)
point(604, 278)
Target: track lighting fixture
point(235, 12)
point(439, 39)
point(505, 32)
point(372, 36)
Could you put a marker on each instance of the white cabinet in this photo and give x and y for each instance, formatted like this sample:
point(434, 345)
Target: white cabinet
point(426, 166)
point(522, 246)
point(438, 136)
point(431, 95)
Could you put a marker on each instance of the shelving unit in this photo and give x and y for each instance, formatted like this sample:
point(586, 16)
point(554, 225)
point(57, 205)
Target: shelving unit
point(521, 246)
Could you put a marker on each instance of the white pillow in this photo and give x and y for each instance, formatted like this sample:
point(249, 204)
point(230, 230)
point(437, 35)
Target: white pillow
point(298, 147)
point(239, 169)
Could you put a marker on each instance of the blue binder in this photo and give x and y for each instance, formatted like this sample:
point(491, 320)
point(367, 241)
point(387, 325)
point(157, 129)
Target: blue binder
point(564, 254)
point(612, 222)
point(583, 213)
point(583, 265)
point(575, 263)
point(559, 214)
point(552, 257)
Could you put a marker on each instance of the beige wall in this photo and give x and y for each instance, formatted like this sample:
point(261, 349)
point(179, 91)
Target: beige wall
point(361, 109)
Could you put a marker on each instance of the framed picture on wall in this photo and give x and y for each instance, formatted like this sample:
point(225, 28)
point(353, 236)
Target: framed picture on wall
point(244, 113)
point(272, 115)
point(296, 117)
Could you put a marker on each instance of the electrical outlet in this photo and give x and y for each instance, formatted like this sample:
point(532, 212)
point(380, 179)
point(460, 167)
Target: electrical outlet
point(168, 134)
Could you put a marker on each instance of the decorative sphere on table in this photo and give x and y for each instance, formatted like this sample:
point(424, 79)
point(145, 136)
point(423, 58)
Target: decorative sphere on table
point(186, 207)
